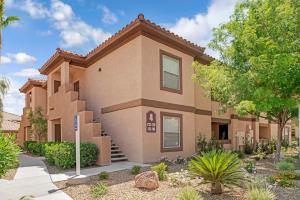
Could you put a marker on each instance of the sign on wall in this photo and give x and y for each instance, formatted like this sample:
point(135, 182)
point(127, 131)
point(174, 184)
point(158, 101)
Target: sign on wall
point(151, 122)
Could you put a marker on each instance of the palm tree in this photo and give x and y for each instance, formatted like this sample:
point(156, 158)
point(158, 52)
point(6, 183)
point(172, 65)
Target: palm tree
point(4, 84)
point(4, 22)
point(217, 168)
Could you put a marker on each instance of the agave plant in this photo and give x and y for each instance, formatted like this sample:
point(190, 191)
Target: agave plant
point(218, 168)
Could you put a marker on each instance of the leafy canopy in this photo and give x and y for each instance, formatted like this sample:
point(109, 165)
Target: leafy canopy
point(38, 122)
point(259, 67)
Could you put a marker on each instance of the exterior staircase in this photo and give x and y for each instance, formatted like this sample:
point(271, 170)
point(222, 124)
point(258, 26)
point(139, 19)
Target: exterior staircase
point(116, 154)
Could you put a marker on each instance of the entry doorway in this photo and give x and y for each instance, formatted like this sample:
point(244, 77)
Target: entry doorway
point(57, 132)
point(223, 132)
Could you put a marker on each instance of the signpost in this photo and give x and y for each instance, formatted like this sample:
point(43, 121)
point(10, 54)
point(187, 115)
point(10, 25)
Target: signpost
point(77, 139)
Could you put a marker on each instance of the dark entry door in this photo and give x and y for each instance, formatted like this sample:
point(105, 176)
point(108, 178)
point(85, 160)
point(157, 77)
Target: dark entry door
point(76, 87)
point(57, 130)
point(223, 132)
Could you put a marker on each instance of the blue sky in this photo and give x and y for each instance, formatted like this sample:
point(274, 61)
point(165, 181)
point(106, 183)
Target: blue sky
point(80, 25)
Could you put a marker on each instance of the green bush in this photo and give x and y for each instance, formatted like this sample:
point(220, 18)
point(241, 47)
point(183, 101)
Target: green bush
point(271, 179)
point(189, 193)
point(26, 144)
point(285, 182)
point(161, 170)
point(285, 166)
point(259, 194)
point(103, 175)
point(63, 154)
point(217, 167)
point(290, 160)
point(99, 190)
point(8, 154)
point(135, 170)
point(249, 167)
point(35, 148)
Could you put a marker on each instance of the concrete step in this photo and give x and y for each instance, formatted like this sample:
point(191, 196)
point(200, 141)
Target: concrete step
point(119, 159)
point(117, 155)
point(115, 151)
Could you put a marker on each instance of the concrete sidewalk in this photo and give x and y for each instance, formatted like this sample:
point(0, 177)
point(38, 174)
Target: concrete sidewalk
point(32, 179)
point(116, 166)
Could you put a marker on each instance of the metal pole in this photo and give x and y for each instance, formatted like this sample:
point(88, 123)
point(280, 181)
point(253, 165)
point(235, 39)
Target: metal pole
point(78, 147)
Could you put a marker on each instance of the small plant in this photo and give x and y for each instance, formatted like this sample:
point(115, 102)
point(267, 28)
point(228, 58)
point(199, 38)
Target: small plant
point(218, 168)
point(290, 160)
point(99, 190)
point(285, 166)
point(271, 179)
point(135, 170)
point(259, 194)
point(249, 167)
point(285, 182)
point(240, 154)
point(103, 175)
point(161, 169)
point(189, 193)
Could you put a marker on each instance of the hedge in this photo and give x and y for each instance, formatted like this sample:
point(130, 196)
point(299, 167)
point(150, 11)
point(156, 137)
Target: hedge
point(63, 154)
point(8, 154)
point(37, 148)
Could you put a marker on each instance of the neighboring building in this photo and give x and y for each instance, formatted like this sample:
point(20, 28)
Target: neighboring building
point(137, 87)
point(10, 123)
point(35, 96)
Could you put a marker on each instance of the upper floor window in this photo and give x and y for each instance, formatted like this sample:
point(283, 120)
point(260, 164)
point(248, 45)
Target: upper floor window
point(56, 86)
point(170, 72)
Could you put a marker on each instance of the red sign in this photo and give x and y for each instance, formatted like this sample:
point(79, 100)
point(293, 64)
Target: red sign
point(151, 122)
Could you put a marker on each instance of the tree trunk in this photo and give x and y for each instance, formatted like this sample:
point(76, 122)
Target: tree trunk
point(216, 188)
point(279, 140)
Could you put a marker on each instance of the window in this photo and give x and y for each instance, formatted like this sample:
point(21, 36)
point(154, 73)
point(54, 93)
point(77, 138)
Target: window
point(56, 86)
point(223, 132)
point(171, 132)
point(171, 72)
point(76, 87)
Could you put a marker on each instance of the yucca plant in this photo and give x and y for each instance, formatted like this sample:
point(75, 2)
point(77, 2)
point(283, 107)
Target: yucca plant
point(218, 168)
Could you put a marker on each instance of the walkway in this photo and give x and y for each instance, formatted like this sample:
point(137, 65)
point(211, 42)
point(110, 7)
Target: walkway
point(32, 179)
point(115, 166)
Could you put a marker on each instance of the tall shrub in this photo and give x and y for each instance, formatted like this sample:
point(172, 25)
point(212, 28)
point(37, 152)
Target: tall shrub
point(8, 154)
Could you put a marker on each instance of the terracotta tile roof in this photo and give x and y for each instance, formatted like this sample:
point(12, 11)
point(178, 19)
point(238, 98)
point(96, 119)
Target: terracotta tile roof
point(32, 82)
point(11, 122)
point(138, 24)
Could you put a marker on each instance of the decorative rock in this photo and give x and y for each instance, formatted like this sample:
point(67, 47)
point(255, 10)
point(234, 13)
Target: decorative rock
point(147, 180)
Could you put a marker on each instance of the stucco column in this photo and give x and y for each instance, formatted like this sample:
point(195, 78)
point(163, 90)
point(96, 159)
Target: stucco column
point(50, 130)
point(234, 134)
point(65, 75)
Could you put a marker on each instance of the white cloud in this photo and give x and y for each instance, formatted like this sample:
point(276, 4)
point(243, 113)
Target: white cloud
point(108, 16)
point(74, 32)
point(5, 60)
point(19, 58)
point(14, 100)
point(29, 72)
point(23, 58)
point(198, 29)
point(34, 9)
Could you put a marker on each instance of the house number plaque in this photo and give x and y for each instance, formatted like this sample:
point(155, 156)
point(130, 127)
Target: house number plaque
point(150, 122)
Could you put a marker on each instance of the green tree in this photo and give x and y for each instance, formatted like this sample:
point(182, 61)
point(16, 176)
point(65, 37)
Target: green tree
point(4, 85)
point(38, 123)
point(259, 68)
point(5, 21)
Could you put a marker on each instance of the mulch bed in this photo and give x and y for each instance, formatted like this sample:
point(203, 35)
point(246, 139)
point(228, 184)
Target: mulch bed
point(121, 187)
point(10, 174)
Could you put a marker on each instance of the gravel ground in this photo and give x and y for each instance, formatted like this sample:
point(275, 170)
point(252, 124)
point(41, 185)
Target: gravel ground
point(121, 187)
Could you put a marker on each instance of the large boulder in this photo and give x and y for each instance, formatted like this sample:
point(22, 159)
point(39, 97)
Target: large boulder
point(147, 180)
